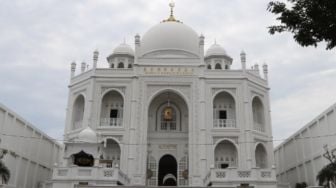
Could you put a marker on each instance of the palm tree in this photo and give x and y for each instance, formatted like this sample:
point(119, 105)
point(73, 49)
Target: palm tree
point(4, 173)
point(327, 174)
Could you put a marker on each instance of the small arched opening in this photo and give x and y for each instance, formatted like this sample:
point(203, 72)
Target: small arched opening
point(111, 113)
point(218, 66)
point(261, 156)
point(224, 111)
point(226, 155)
point(258, 114)
point(121, 65)
point(111, 153)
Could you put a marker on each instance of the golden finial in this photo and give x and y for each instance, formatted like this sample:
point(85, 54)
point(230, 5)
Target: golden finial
point(171, 17)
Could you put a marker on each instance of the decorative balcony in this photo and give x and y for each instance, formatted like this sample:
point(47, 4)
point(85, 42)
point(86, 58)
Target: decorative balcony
point(111, 122)
point(107, 176)
point(220, 177)
point(224, 123)
point(77, 124)
point(259, 127)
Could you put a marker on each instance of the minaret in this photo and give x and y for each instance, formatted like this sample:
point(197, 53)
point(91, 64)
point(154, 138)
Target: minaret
point(243, 60)
point(256, 68)
point(95, 59)
point(265, 70)
point(201, 46)
point(83, 66)
point(73, 69)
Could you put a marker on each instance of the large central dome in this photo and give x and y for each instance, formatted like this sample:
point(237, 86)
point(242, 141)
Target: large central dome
point(170, 35)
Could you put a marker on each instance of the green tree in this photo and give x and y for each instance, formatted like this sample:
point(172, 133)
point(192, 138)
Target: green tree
point(310, 21)
point(4, 173)
point(327, 174)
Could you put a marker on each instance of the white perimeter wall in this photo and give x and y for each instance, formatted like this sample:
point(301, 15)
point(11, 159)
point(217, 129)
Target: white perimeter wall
point(31, 153)
point(299, 158)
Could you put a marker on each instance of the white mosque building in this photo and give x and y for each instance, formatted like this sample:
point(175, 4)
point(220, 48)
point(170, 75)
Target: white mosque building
point(167, 113)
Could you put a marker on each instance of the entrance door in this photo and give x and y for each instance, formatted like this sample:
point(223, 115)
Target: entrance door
point(167, 171)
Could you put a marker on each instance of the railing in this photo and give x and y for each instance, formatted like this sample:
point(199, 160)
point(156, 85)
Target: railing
point(235, 175)
point(224, 123)
point(111, 122)
point(259, 127)
point(77, 124)
point(110, 175)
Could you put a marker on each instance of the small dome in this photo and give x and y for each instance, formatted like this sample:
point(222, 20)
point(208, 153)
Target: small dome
point(170, 35)
point(87, 135)
point(216, 50)
point(123, 49)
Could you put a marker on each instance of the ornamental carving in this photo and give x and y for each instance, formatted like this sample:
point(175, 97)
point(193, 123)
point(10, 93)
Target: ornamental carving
point(119, 89)
point(229, 90)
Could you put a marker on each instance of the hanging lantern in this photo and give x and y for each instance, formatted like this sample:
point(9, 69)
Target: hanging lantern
point(168, 114)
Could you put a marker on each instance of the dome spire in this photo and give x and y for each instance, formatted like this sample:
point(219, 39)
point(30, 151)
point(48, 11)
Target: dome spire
point(171, 17)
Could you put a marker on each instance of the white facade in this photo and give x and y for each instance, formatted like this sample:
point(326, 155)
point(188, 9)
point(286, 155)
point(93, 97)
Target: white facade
point(31, 154)
point(166, 113)
point(300, 157)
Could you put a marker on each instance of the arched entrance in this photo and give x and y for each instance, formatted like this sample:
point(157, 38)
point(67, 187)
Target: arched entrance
point(167, 171)
point(168, 121)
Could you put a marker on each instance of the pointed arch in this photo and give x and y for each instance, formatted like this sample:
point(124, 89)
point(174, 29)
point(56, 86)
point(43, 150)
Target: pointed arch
point(224, 110)
point(225, 154)
point(112, 109)
point(258, 114)
point(261, 156)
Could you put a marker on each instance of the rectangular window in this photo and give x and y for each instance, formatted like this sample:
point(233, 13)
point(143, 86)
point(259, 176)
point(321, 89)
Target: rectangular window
point(114, 113)
point(222, 114)
point(224, 165)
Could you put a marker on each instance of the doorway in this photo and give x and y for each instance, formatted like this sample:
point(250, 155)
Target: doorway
point(167, 171)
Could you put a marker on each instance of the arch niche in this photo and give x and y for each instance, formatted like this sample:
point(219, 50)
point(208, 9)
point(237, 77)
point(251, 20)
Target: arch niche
point(78, 112)
point(261, 156)
point(112, 109)
point(167, 138)
point(226, 154)
point(258, 114)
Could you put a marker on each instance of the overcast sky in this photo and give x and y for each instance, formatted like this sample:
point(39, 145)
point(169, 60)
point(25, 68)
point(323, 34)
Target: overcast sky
point(40, 38)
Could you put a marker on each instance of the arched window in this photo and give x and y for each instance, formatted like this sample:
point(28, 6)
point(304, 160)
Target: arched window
point(224, 111)
point(121, 65)
point(111, 153)
point(261, 156)
point(168, 119)
point(258, 114)
point(111, 113)
point(209, 66)
point(218, 66)
point(112, 66)
point(226, 155)
point(227, 67)
point(78, 112)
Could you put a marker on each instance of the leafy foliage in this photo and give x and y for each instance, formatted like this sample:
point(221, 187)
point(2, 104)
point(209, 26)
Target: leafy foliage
point(311, 21)
point(4, 173)
point(301, 185)
point(327, 174)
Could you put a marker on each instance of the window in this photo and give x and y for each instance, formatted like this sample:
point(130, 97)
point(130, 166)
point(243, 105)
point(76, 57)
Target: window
point(209, 66)
point(129, 66)
point(218, 66)
point(112, 65)
point(121, 65)
point(222, 114)
point(226, 67)
point(114, 113)
point(224, 165)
